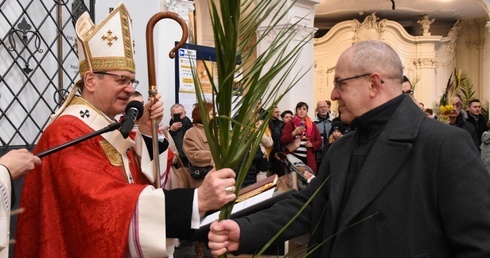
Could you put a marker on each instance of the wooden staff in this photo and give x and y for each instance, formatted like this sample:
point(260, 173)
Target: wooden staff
point(152, 85)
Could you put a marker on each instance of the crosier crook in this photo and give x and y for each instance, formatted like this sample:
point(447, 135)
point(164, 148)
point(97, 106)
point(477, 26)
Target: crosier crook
point(152, 88)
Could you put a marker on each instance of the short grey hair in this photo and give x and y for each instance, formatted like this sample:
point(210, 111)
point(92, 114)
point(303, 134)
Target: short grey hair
point(376, 56)
point(176, 105)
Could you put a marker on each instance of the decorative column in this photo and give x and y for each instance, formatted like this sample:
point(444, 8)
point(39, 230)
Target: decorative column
point(425, 63)
point(425, 67)
point(304, 90)
point(185, 9)
point(169, 31)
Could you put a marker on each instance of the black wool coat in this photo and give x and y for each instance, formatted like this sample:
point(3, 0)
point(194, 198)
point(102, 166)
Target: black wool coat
point(422, 192)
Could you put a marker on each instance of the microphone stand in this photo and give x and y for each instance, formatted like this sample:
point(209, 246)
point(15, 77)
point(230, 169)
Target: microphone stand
point(106, 129)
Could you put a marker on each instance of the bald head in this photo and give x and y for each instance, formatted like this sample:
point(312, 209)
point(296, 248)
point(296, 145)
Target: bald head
point(322, 108)
point(375, 56)
point(367, 75)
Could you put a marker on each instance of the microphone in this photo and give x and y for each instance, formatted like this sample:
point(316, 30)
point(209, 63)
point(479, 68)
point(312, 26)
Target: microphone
point(134, 110)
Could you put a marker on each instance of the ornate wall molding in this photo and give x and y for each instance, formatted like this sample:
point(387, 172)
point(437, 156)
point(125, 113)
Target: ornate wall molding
point(425, 23)
point(420, 55)
point(448, 52)
point(181, 7)
point(478, 44)
point(323, 75)
point(369, 29)
point(425, 62)
point(305, 32)
point(452, 35)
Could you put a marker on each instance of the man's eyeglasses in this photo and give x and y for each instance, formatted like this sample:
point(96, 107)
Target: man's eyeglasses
point(122, 79)
point(408, 92)
point(458, 104)
point(337, 82)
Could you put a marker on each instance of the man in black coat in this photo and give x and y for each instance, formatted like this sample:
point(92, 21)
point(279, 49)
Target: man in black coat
point(276, 126)
point(397, 186)
point(179, 124)
point(457, 117)
point(476, 118)
point(324, 123)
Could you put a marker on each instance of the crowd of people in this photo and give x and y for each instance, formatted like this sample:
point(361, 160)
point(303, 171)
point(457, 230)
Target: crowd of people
point(400, 184)
point(287, 132)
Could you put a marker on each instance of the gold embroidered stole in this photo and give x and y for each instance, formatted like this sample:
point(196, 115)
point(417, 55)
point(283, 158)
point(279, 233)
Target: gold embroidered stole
point(114, 145)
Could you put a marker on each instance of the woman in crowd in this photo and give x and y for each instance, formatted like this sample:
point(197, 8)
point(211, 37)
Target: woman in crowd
point(196, 146)
point(301, 136)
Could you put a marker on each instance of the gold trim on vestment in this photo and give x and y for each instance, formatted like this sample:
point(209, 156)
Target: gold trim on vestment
point(112, 154)
point(108, 64)
point(114, 157)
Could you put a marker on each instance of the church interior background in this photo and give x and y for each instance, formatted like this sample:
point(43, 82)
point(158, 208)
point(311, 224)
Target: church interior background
point(455, 39)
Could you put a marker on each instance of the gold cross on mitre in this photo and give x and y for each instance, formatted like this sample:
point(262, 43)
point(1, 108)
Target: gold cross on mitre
point(107, 46)
point(109, 37)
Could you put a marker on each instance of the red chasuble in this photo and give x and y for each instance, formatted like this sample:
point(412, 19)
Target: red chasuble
point(77, 204)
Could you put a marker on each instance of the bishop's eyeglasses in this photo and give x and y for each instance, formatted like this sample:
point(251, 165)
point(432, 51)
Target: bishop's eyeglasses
point(122, 79)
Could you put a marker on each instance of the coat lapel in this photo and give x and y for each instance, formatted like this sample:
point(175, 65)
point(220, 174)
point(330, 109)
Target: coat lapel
point(339, 165)
point(385, 160)
point(380, 167)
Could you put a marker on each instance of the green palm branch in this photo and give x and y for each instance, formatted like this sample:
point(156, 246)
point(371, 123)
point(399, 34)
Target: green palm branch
point(467, 92)
point(460, 85)
point(445, 96)
point(466, 89)
point(233, 132)
point(263, 79)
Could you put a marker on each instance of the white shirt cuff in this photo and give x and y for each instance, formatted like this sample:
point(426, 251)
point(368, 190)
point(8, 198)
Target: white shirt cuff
point(196, 218)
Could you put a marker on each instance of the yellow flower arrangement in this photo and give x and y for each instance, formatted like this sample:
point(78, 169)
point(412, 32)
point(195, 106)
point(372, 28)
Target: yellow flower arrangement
point(452, 88)
point(445, 110)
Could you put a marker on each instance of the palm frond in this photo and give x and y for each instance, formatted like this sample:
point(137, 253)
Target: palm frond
point(467, 90)
point(293, 218)
point(264, 79)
